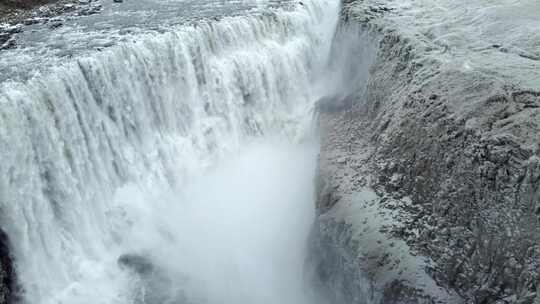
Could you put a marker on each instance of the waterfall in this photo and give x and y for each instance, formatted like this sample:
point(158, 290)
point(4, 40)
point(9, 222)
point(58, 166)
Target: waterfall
point(92, 149)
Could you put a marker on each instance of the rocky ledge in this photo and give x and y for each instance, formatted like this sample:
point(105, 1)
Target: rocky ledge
point(17, 15)
point(429, 173)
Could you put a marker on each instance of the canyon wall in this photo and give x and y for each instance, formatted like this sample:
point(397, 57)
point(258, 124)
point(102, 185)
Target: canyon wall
point(430, 170)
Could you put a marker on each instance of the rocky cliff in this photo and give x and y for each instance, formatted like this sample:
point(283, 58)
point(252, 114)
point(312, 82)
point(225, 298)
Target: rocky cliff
point(429, 182)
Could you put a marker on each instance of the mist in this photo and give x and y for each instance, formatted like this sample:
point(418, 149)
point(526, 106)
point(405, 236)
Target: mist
point(236, 234)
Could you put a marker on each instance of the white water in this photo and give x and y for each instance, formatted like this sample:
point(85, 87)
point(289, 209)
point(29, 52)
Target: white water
point(236, 235)
point(189, 148)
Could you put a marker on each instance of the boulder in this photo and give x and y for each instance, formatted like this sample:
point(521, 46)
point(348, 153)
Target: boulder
point(137, 263)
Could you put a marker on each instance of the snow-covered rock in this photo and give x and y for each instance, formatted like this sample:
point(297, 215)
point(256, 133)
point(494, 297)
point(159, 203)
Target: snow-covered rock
point(444, 134)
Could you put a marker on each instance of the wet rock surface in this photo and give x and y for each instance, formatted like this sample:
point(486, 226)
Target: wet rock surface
point(15, 16)
point(41, 11)
point(156, 284)
point(452, 153)
point(7, 272)
point(137, 263)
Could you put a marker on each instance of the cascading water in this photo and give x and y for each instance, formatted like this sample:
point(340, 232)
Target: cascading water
point(173, 169)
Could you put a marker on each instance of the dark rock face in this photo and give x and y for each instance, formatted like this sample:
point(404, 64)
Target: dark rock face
point(156, 285)
point(7, 36)
point(25, 3)
point(461, 147)
point(10, 8)
point(138, 263)
point(7, 272)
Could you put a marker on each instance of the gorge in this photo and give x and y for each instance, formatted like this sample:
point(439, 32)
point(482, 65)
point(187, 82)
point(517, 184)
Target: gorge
point(310, 151)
